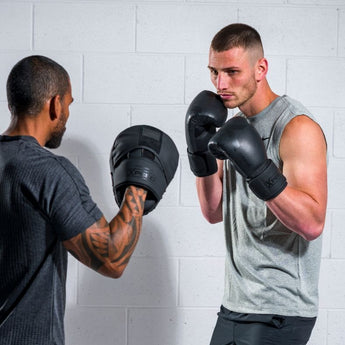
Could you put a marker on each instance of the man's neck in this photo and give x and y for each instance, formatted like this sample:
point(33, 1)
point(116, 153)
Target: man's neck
point(261, 100)
point(27, 127)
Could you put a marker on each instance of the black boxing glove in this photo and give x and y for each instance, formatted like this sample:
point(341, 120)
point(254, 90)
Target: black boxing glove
point(145, 157)
point(239, 142)
point(206, 113)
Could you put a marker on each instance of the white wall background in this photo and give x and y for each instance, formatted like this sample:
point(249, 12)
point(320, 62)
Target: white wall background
point(142, 62)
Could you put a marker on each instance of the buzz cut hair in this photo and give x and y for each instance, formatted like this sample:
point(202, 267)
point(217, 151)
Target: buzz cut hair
point(237, 35)
point(33, 81)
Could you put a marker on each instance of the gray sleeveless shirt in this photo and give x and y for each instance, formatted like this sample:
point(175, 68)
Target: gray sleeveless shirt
point(268, 269)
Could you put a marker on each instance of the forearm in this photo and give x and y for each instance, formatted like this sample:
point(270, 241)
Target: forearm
point(125, 228)
point(299, 212)
point(107, 247)
point(210, 191)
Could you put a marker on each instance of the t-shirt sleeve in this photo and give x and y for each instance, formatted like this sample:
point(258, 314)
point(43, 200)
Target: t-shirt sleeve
point(66, 199)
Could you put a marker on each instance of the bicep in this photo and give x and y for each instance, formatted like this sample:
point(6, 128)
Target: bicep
point(303, 152)
point(107, 247)
point(91, 247)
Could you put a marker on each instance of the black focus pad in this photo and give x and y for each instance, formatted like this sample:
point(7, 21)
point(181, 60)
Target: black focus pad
point(146, 157)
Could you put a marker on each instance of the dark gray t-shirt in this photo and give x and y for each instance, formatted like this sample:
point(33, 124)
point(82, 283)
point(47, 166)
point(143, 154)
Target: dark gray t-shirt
point(43, 201)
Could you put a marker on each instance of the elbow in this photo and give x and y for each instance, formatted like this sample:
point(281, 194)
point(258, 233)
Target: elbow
point(116, 274)
point(214, 220)
point(112, 272)
point(312, 236)
point(213, 217)
point(312, 233)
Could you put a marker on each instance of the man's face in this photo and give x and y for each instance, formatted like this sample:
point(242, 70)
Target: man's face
point(60, 128)
point(233, 75)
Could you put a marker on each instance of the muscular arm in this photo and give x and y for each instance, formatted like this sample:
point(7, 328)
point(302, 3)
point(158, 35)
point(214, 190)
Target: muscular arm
point(107, 247)
point(210, 191)
point(301, 207)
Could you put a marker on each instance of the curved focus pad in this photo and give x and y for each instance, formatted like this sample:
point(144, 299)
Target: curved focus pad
point(146, 157)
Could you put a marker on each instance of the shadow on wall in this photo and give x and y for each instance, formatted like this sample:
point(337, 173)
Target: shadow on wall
point(121, 311)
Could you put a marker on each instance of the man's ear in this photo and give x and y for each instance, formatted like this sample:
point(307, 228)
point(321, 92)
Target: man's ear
point(55, 107)
point(261, 69)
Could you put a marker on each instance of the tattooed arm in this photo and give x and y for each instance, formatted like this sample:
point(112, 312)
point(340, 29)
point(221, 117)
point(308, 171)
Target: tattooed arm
point(107, 247)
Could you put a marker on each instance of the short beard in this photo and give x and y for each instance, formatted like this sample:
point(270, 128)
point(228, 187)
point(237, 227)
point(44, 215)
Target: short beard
point(56, 137)
point(55, 140)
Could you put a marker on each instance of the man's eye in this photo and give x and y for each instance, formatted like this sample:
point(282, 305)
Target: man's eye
point(232, 72)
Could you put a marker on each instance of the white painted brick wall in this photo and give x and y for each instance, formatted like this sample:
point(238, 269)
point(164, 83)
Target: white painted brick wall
point(142, 62)
point(12, 35)
point(181, 28)
point(134, 78)
point(80, 27)
point(294, 30)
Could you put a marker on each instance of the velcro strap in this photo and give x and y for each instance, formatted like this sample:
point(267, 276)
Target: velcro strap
point(202, 163)
point(269, 183)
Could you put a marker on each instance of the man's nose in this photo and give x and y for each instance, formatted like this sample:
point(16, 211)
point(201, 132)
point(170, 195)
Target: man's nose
point(221, 82)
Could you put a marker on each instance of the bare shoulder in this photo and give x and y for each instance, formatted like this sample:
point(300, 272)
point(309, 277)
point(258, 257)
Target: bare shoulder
point(303, 152)
point(302, 134)
point(302, 124)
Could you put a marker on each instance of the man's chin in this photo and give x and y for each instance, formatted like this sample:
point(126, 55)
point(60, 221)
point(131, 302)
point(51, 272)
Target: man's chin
point(55, 140)
point(230, 104)
point(53, 143)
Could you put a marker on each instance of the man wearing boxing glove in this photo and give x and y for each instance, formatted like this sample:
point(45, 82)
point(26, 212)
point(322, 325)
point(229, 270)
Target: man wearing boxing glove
point(46, 208)
point(270, 191)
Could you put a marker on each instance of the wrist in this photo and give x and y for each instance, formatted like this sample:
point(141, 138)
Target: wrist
point(269, 183)
point(134, 200)
point(202, 163)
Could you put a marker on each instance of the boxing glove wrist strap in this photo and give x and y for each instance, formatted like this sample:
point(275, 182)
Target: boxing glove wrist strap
point(269, 183)
point(202, 163)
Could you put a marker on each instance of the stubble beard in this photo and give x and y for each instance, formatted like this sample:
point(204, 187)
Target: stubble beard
point(56, 137)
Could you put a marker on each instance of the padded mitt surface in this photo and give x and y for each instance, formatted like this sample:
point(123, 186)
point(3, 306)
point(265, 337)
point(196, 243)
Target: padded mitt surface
point(146, 157)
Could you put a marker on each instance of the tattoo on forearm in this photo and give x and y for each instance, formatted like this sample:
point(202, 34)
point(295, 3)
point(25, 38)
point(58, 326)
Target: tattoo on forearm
point(95, 262)
point(114, 243)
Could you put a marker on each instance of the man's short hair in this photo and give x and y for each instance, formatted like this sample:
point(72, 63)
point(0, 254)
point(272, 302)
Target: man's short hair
point(236, 35)
point(32, 81)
